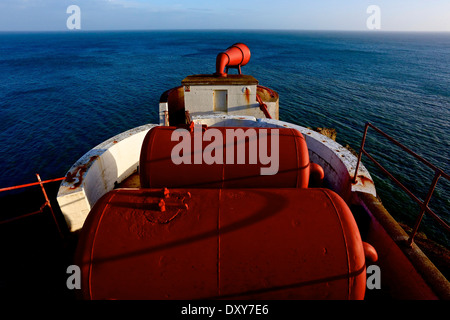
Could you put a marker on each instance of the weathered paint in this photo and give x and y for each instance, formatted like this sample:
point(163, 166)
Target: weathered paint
point(76, 202)
point(247, 94)
point(218, 246)
point(97, 172)
point(75, 176)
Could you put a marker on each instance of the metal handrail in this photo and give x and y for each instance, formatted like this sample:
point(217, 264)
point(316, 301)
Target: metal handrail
point(46, 204)
point(423, 204)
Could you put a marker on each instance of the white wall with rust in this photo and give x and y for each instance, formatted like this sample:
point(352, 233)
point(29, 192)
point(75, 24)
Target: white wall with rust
point(97, 172)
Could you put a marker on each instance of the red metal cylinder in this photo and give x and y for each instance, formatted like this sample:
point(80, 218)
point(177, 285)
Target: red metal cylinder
point(287, 150)
point(221, 243)
point(317, 174)
point(234, 57)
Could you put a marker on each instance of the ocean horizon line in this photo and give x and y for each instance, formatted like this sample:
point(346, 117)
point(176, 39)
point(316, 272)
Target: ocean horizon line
point(366, 31)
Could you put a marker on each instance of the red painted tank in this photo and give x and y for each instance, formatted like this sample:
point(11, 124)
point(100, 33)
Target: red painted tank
point(285, 163)
point(229, 243)
point(234, 57)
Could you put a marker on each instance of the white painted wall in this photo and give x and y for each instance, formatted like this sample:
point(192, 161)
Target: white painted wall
point(108, 163)
point(199, 101)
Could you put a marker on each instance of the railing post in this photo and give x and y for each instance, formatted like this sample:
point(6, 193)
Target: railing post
point(424, 207)
point(47, 203)
point(361, 151)
point(423, 204)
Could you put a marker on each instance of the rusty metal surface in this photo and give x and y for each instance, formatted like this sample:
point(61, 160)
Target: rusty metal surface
point(263, 107)
point(267, 94)
point(75, 176)
point(221, 243)
point(209, 79)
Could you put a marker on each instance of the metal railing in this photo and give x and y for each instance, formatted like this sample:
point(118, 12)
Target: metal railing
point(41, 209)
point(423, 204)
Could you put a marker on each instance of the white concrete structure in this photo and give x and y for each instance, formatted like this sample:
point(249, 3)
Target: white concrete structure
point(97, 172)
point(232, 95)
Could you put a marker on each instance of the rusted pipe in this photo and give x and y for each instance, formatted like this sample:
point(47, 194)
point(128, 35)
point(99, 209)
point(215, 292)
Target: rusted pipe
point(263, 107)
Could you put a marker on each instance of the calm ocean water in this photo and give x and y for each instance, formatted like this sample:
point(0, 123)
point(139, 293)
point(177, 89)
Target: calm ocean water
point(63, 93)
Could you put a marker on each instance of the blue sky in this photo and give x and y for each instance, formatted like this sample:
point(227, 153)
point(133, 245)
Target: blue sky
point(396, 15)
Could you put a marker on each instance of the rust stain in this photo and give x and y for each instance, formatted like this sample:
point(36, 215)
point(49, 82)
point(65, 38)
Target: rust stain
point(364, 180)
point(173, 204)
point(268, 90)
point(76, 177)
point(271, 92)
point(247, 95)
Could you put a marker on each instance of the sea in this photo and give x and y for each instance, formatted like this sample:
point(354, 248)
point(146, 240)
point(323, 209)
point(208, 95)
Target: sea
point(63, 93)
